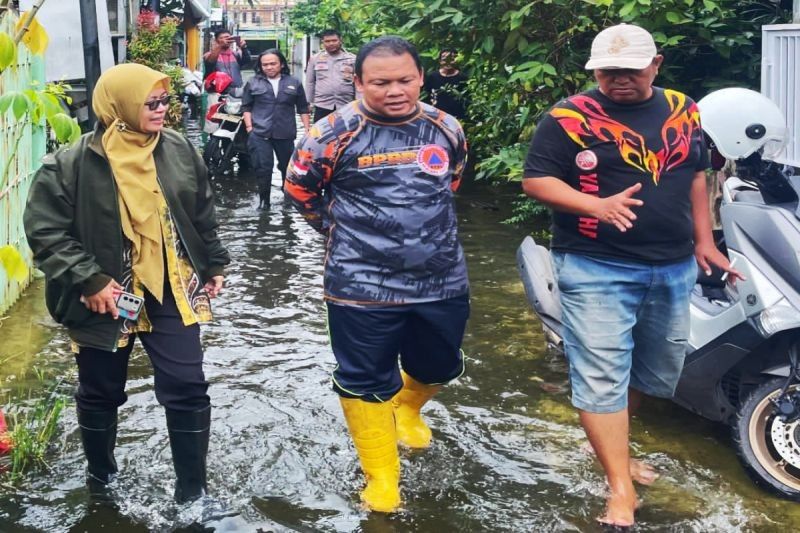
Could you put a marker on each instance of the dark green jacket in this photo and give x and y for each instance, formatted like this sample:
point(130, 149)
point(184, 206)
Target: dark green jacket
point(73, 227)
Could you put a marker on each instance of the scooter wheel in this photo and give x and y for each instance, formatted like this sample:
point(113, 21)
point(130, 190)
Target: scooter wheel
point(214, 157)
point(768, 447)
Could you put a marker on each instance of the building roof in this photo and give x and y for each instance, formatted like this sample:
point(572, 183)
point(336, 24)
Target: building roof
point(199, 9)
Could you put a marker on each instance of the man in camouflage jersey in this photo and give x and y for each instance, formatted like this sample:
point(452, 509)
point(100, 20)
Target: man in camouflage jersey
point(377, 178)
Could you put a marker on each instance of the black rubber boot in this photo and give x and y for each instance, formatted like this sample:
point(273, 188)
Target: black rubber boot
point(188, 439)
point(99, 437)
point(263, 193)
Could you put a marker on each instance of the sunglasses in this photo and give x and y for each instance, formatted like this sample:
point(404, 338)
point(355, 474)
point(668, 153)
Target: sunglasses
point(152, 105)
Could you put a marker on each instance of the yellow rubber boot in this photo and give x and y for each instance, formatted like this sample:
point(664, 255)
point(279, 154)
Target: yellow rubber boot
point(372, 427)
point(412, 431)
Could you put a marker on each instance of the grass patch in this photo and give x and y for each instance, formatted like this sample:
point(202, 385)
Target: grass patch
point(32, 430)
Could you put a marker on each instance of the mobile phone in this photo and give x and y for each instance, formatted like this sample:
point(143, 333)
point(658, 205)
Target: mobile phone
point(129, 305)
point(237, 39)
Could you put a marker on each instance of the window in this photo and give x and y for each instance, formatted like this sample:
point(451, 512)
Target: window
point(113, 15)
point(244, 17)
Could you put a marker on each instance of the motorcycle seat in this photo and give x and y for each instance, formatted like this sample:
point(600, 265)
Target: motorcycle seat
point(748, 196)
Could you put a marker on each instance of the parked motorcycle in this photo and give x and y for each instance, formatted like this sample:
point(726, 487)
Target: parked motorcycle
point(191, 90)
point(226, 148)
point(743, 357)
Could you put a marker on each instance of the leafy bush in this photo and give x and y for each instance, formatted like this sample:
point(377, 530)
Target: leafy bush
point(523, 56)
point(506, 165)
point(152, 46)
point(31, 106)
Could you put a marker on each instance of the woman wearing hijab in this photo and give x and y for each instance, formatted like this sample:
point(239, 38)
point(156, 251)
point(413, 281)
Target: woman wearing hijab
point(129, 208)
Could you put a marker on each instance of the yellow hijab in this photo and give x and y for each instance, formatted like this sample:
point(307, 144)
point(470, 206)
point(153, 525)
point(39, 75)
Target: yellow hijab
point(117, 101)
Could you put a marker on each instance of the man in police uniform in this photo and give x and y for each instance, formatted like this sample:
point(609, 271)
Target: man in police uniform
point(329, 76)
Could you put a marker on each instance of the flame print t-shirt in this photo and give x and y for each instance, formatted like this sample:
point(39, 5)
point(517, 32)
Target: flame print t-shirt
point(600, 147)
point(383, 191)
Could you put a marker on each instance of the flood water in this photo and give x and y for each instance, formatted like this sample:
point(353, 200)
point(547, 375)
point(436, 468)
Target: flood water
point(507, 450)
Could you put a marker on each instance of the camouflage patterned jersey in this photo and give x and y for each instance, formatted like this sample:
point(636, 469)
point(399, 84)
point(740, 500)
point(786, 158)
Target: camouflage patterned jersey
point(382, 190)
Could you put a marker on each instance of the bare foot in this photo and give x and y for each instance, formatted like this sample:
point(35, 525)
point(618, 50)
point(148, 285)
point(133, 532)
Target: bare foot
point(642, 472)
point(620, 507)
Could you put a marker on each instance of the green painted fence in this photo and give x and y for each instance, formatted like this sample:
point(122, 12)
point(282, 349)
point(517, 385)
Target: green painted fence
point(22, 146)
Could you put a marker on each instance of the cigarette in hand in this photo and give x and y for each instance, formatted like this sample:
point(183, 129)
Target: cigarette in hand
point(725, 274)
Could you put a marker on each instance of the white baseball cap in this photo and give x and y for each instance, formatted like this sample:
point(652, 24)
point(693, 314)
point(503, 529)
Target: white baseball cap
point(622, 46)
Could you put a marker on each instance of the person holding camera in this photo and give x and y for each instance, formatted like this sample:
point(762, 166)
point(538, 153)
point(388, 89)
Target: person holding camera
point(122, 224)
point(223, 58)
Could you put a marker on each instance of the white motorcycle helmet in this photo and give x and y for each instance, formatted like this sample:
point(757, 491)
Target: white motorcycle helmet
point(742, 122)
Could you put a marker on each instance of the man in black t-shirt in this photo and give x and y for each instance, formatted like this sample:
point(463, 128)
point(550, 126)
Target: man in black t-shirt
point(623, 168)
point(446, 86)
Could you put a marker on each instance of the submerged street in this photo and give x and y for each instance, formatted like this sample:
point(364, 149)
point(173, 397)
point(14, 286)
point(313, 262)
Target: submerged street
point(507, 452)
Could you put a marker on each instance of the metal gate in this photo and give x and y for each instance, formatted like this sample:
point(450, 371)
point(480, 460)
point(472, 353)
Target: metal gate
point(22, 146)
point(780, 80)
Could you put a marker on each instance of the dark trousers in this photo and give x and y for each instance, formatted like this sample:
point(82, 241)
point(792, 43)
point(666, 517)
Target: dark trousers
point(321, 112)
point(174, 351)
point(366, 343)
point(262, 160)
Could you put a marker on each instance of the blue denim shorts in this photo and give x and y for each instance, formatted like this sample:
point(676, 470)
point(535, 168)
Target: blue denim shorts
point(626, 324)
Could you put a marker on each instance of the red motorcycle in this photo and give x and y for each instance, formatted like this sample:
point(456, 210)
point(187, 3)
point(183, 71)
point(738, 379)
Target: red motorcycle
point(226, 148)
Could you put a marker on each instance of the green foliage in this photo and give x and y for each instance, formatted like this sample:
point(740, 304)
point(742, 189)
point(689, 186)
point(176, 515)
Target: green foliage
point(8, 51)
point(41, 105)
point(36, 105)
point(152, 46)
point(523, 56)
point(31, 105)
point(33, 428)
point(303, 17)
point(358, 22)
point(506, 165)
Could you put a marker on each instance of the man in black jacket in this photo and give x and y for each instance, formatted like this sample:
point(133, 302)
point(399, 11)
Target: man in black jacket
point(446, 86)
point(271, 99)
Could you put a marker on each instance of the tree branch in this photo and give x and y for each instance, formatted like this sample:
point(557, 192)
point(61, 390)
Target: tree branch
point(28, 19)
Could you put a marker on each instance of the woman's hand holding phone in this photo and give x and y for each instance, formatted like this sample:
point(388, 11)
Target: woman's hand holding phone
point(104, 301)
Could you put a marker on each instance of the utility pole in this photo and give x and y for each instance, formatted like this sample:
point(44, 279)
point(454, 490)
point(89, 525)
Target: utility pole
point(91, 51)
